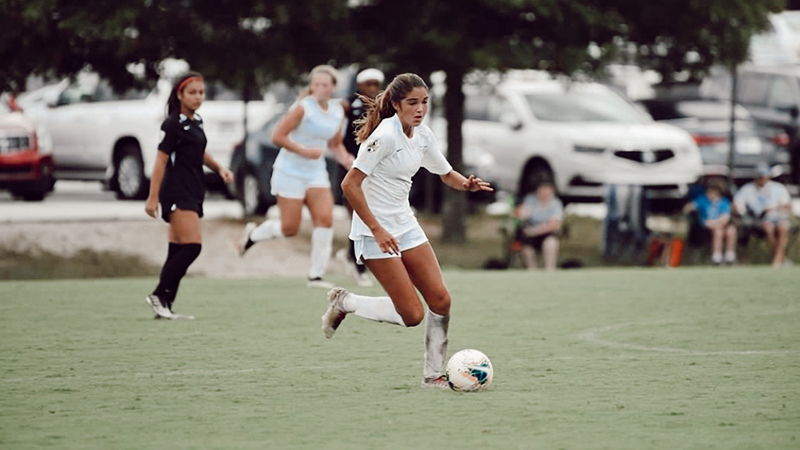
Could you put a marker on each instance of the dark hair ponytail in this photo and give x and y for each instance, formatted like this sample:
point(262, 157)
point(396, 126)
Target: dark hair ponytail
point(381, 107)
point(173, 102)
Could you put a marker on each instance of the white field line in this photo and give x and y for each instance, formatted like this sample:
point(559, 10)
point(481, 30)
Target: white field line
point(594, 336)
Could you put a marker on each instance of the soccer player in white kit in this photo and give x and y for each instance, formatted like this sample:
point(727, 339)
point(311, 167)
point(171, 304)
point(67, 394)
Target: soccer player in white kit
point(300, 176)
point(386, 233)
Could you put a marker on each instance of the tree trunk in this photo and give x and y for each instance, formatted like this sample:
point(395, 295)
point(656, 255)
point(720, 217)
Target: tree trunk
point(454, 209)
point(732, 136)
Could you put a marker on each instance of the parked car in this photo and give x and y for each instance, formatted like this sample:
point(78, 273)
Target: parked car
point(772, 97)
point(101, 135)
point(26, 161)
point(252, 162)
point(581, 136)
point(708, 121)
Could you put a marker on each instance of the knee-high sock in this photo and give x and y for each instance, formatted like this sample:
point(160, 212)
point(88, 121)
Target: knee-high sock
point(321, 248)
point(379, 309)
point(435, 344)
point(173, 271)
point(267, 230)
point(360, 267)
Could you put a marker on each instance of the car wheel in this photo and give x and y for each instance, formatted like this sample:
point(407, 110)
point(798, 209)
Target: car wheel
point(535, 174)
point(130, 181)
point(253, 202)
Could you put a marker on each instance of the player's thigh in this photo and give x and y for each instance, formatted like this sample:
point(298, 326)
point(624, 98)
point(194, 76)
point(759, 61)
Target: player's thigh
point(320, 204)
point(423, 269)
point(291, 214)
point(391, 274)
point(184, 227)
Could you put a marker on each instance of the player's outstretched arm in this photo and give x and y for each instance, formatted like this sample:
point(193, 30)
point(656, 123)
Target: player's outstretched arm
point(472, 183)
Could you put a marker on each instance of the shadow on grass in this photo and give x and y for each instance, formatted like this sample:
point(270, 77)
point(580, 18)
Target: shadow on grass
point(42, 264)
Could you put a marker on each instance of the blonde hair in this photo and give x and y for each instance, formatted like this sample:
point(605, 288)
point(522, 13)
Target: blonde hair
point(324, 68)
point(381, 107)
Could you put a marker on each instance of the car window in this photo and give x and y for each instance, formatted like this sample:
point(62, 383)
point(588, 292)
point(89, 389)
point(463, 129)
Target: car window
point(753, 88)
point(476, 107)
point(80, 91)
point(781, 95)
point(578, 105)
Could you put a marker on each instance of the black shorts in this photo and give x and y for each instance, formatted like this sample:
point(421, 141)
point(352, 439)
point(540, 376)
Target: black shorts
point(535, 241)
point(169, 205)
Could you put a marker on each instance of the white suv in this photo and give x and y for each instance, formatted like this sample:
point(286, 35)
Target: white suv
point(581, 136)
point(100, 135)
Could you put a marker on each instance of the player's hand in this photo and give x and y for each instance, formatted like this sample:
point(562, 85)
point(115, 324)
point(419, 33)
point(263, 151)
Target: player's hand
point(387, 242)
point(313, 153)
point(474, 184)
point(226, 174)
point(151, 207)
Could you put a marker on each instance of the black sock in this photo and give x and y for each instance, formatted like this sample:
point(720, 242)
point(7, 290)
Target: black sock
point(360, 267)
point(173, 271)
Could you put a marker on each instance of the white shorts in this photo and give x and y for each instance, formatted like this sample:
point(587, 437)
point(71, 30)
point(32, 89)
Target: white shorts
point(294, 186)
point(367, 248)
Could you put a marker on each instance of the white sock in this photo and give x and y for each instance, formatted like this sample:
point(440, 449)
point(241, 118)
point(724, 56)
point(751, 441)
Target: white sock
point(266, 231)
point(321, 248)
point(435, 344)
point(379, 309)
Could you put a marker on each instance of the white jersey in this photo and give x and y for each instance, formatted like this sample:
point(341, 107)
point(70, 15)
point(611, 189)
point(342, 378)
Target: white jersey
point(389, 158)
point(315, 130)
point(756, 200)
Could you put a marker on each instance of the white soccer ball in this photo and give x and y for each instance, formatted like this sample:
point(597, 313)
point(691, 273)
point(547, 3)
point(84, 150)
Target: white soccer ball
point(469, 370)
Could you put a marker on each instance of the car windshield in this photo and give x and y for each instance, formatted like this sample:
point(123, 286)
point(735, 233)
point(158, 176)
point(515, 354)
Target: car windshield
point(579, 105)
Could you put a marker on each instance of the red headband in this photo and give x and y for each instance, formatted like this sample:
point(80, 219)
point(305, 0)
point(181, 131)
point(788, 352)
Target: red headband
point(187, 81)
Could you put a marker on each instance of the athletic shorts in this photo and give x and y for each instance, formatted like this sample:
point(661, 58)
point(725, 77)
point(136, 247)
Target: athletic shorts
point(168, 205)
point(367, 248)
point(294, 186)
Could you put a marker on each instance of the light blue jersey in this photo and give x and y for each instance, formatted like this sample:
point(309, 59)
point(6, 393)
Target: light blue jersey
point(315, 130)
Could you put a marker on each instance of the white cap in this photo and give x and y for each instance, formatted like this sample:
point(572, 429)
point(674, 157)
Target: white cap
point(369, 74)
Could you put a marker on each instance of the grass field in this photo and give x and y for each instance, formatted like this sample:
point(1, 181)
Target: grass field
point(694, 358)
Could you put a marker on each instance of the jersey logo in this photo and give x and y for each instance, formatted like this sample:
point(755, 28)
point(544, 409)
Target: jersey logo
point(374, 146)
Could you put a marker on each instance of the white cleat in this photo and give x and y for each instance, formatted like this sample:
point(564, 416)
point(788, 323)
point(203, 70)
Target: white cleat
point(319, 283)
point(363, 280)
point(245, 242)
point(437, 382)
point(158, 307)
point(335, 313)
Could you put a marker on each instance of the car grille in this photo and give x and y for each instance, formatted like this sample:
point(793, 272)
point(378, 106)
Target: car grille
point(11, 144)
point(16, 170)
point(645, 156)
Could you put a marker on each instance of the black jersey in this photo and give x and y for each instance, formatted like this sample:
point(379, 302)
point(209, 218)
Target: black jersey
point(185, 143)
point(356, 110)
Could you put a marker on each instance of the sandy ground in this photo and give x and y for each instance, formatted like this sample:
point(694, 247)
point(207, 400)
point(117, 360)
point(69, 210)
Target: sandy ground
point(148, 239)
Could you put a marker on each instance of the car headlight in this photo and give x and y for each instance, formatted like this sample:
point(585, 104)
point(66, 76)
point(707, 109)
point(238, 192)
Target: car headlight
point(44, 140)
point(587, 149)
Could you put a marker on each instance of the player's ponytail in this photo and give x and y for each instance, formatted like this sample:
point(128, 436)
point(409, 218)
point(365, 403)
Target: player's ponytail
point(381, 107)
point(173, 102)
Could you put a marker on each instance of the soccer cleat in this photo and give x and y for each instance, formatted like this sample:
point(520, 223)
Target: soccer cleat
point(158, 307)
point(245, 242)
point(730, 258)
point(438, 382)
point(335, 313)
point(319, 283)
point(351, 269)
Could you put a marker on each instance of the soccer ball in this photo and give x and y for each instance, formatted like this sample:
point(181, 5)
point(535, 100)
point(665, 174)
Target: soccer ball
point(469, 370)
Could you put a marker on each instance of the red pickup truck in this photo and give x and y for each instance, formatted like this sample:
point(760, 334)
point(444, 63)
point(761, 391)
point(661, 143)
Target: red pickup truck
point(26, 160)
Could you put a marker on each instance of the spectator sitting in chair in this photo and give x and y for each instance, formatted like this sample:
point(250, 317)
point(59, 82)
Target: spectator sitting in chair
point(714, 216)
point(541, 214)
point(766, 204)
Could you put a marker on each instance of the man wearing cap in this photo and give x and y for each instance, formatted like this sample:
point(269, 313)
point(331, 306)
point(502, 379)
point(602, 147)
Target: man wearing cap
point(368, 84)
point(767, 203)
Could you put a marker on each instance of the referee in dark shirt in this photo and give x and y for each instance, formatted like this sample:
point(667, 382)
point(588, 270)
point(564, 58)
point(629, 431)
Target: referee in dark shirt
point(368, 83)
point(177, 187)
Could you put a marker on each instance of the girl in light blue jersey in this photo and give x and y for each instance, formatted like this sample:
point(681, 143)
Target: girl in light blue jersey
point(386, 234)
point(300, 176)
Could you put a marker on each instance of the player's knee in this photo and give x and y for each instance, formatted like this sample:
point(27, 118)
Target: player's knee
point(440, 302)
point(413, 319)
point(290, 230)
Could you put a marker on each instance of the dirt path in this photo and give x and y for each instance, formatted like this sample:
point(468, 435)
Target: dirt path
point(148, 239)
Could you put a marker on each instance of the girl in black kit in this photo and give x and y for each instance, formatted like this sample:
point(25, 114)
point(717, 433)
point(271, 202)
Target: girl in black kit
point(177, 187)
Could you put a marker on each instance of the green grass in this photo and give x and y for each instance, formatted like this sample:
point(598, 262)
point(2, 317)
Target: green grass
point(695, 358)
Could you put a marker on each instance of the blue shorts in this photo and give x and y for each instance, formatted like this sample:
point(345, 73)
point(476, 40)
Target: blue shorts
point(366, 247)
point(295, 186)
